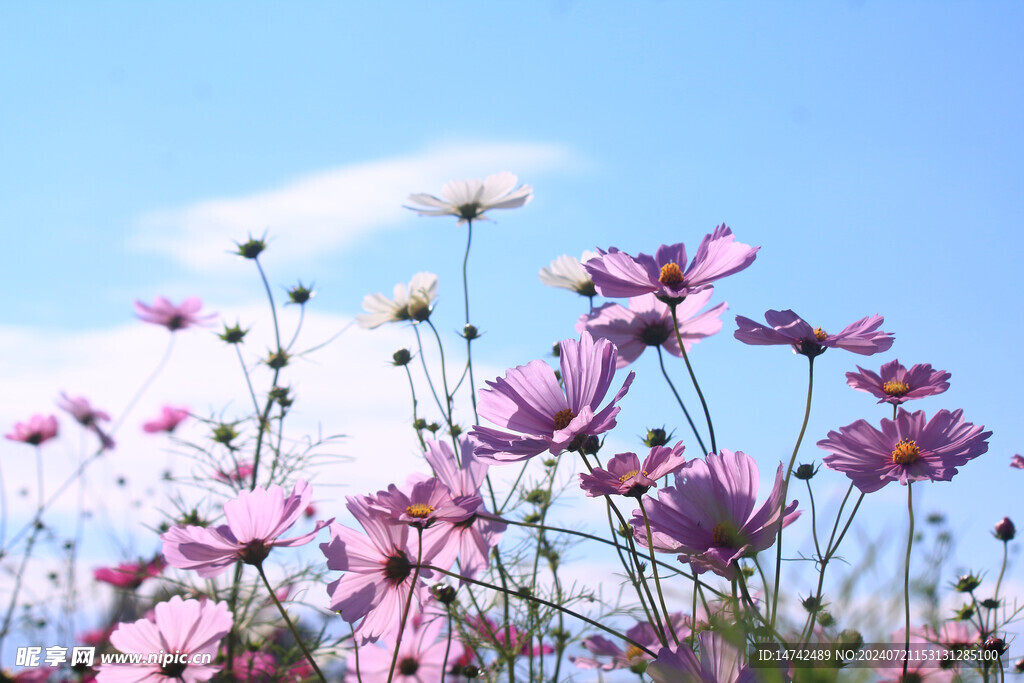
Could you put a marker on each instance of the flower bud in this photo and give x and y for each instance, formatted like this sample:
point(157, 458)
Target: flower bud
point(444, 593)
point(470, 332)
point(967, 583)
point(278, 359)
point(233, 335)
point(851, 638)
point(811, 604)
point(989, 603)
point(224, 434)
point(1005, 531)
point(300, 294)
point(995, 644)
point(1019, 666)
point(251, 249)
point(401, 357)
point(805, 472)
point(964, 613)
point(556, 349)
point(656, 436)
point(591, 445)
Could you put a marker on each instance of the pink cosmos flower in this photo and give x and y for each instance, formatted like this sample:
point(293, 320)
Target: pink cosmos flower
point(130, 575)
point(617, 274)
point(720, 662)
point(256, 667)
point(1017, 462)
point(87, 416)
point(428, 501)
point(170, 418)
point(895, 384)
point(921, 668)
point(786, 327)
point(648, 322)
point(187, 626)
point(255, 520)
point(487, 630)
point(470, 199)
point(909, 448)
point(378, 570)
point(708, 517)
point(529, 400)
point(623, 475)
point(632, 658)
point(471, 540)
point(174, 318)
point(242, 472)
point(421, 656)
point(38, 429)
point(37, 675)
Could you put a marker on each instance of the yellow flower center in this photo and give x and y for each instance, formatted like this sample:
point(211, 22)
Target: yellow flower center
point(906, 452)
point(896, 388)
point(633, 651)
point(670, 275)
point(820, 334)
point(630, 475)
point(419, 510)
point(724, 535)
point(563, 418)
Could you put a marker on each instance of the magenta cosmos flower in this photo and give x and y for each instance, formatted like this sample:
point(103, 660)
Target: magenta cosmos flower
point(708, 517)
point(242, 472)
point(623, 475)
point(786, 327)
point(909, 448)
point(632, 658)
point(648, 322)
point(720, 662)
point(895, 384)
point(170, 418)
point(617, 274)
point(187, 626)
point(130, 575)
point(468, 200)
point(530, 401)
point(174, 318)
point(1017, 461)
point(421, 656)
point(87, 416)
point(428, 501)
point(255, 520)
point(378, 567)
point(36, 430)
point(473, 538)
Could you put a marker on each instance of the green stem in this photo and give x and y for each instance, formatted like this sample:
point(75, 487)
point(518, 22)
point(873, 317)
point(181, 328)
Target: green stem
point(408, 603)
point(664, 372)
point(546, 603)
point(291, 626)
point(785, 489)
point(412, 390)
point(693, 378)
point(654, 566)
point(906, 577)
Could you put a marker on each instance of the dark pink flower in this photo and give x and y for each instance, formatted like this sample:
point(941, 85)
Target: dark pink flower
point(648, 322)
point(708, 517)
point(256, 667)
point(378, 567)
point(786, 327)
point(473, 538)
point(428, 501)
point(87, 416)
point(255, 521)
point(187, 626)
point(623, 475)
point(130, 575)
point(421, 656)
point(36, 430)
point(174, 318)
point(720, 662)
point(909, 448)
point(895, 384)
point(529, 400)
point(241, 473)
point(170, 418)
point(1017, 462)
point(632, 657)
point(488, 631)
point(617, 274)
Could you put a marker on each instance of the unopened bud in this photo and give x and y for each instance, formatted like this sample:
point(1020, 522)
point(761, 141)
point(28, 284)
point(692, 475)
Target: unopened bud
point(1005, 530)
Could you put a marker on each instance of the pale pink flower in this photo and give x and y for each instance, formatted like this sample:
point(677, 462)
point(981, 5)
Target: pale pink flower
point(36, 430)
point(468, 200)
point(87, 416)
point(170, 418)
point(174, 318)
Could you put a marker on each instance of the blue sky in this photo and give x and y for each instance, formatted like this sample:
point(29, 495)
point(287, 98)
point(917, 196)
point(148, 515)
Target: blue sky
point(873, 150)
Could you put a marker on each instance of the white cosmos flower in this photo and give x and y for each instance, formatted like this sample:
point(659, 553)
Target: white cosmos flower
point(469, 199)
point(414, 302)
point(568, 273)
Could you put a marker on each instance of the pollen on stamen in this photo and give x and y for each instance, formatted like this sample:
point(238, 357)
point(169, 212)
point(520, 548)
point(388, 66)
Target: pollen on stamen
point(419, 510)
point(628, 475)
point(670, 276)
point(906, 452)
point(724, 535)
point(562, 418)
point(633, 652)
point(820, 334)
point(896, 388)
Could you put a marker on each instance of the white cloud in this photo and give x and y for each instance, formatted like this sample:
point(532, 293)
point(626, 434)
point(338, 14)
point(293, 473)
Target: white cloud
point(332, 208)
